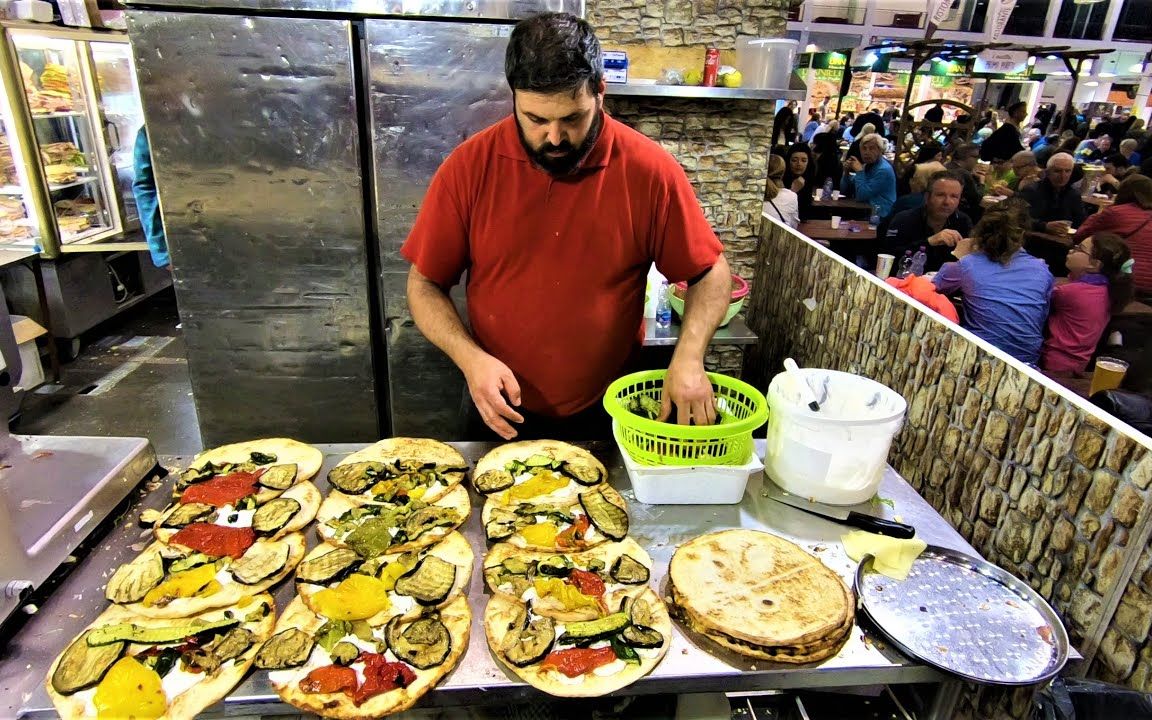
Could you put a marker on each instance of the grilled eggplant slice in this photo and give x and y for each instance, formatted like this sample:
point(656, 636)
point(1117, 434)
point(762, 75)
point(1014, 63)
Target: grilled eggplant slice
point(608, 518)
point(429, 582)
point(273, 515)
point(188, 514)
point(261, 561)
point(329, 567)
point(287, 649)
point(428, 518)
point(354, 478)
point(556, 566)
point(279, 477)
point(582, 471)
point(132, 581)
point(197, 474)
point(629, 571)
point(82, 665)
point(233, 644)
point(493, 481)
point(640, 634)
point(344, 653)
point(497, 530)
point(527, 641)
point(424, 644)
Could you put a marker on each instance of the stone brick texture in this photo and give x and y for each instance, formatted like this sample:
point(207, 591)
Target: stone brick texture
point(678, 23)
point(1036, 483)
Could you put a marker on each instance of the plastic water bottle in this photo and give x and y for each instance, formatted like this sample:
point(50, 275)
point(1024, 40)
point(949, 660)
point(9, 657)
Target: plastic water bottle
point(827, 194)
point(919, 261)
point(874, 219)
point(663, 309)
point(905, 265)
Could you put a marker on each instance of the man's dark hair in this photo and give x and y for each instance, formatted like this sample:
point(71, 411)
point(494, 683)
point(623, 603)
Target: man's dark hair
point(944, 175)
point(965, 151)
point(554, 52)
point(1118, 160)
point(1016, 106)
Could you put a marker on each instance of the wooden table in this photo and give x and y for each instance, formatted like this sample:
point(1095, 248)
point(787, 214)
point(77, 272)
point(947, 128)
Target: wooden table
point(822, 230)
point(841, 203)
point(1065, 240)
point(845, 207)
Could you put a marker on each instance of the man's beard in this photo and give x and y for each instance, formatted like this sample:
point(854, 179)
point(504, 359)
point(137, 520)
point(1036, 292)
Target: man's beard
point(568, 163)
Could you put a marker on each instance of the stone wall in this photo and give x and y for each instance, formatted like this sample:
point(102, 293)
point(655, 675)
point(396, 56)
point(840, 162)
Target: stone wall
point(1038, 480)
point(678, 23)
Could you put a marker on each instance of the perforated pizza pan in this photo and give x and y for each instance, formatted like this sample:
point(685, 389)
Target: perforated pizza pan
point(966, 616)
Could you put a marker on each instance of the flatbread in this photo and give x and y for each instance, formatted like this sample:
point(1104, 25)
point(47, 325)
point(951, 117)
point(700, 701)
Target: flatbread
point(795, 655)
point(307, 458)
point(453, 548)
point(549, 606)
point(336, 504)
point(455, 616)
point(423, 450)
point(304, 493)
point(594, 537)
point(502, 610)
point(499, 457)
point(757, 587)
point(191, 701)
point(230, 592)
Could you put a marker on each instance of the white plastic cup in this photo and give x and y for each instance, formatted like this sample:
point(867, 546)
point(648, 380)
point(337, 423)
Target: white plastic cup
point(836, 195)
point(835, 222)
point(836, 455)
point(884, 264)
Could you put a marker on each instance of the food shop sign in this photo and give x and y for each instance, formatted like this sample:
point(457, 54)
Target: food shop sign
point(1002, 62)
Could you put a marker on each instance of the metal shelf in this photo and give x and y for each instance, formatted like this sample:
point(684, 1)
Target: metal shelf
point(17, 190)
point(705, 93)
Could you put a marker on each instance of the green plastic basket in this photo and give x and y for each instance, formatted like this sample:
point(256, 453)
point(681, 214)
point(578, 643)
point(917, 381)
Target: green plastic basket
point(742, 407)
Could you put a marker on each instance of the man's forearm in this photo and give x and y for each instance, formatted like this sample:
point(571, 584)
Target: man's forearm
point(704, 308)
point(436, 316)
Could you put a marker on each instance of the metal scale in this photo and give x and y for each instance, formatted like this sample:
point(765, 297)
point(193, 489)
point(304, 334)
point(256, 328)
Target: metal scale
point(54, 491)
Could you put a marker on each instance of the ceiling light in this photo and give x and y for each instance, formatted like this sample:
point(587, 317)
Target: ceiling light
point(1107, 75)
point(1091, 84)
point(810, 47)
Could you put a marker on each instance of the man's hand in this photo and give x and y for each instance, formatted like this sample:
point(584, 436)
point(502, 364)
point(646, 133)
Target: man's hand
point(489, 381)
point(947, 236)
point(687, 386)
point(853, 164)
point(1058, 227)
point(798, 185)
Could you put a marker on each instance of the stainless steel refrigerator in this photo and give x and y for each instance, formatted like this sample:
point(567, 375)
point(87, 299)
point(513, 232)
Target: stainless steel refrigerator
point(292, 144)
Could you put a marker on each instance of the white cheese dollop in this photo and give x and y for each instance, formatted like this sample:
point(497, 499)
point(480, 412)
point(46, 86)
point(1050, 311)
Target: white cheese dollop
point(610, 669)
point(243, 517)
point(178, 681)
point(530, 595)
point(648, 653)
point(401, 604)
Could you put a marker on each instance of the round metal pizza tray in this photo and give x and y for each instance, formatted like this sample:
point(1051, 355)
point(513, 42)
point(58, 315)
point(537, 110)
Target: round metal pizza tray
point(966, 616)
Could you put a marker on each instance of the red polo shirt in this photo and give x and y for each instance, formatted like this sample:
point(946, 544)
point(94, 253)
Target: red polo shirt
point(557, 266)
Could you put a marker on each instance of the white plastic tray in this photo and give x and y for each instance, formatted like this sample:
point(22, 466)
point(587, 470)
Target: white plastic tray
point(678, 485)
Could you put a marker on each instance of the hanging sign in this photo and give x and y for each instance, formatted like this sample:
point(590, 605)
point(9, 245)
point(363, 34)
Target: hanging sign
point(997, 19)
point(1001, 62)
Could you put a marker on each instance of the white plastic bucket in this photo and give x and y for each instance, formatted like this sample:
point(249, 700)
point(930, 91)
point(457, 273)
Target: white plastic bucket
point(765, 62)
point(836, 455)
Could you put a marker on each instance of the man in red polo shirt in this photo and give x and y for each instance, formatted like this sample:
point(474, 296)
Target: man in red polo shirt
point(556, 213)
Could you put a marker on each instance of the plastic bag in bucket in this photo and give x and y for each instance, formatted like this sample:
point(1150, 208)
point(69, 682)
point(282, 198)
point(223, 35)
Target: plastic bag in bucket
point(836, 455)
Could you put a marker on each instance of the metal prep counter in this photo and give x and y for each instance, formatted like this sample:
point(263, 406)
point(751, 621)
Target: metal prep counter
point(478, 680)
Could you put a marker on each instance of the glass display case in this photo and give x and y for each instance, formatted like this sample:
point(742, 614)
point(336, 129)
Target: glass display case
point(70, 116)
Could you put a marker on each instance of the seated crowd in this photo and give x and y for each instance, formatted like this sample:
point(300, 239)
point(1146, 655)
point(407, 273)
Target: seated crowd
point(1039, 238)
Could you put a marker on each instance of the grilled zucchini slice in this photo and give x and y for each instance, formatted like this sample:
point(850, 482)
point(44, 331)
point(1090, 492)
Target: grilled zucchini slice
point(493, 481)
point(132, 581)
point(287, 649)
point(592, 630)
point(354, 478)
point(82, 665)
point(423, 644)
point(188, 514)
point(608, 518)
point(429, 582)
point(273, 515)
point(121, 632)
point(261, 561)
point(279, 477)
point(329, 567)
point(629, 571)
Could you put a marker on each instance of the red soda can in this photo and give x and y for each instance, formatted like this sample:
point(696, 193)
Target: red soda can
point(711, 67)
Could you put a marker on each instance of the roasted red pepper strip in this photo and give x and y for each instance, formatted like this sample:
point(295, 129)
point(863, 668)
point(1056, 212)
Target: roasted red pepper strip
point(329, 679)
point(577, 661)
point(574, 535)
point(225, 490)
point(588, 583)
point(380, 676)
point(216, 540)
